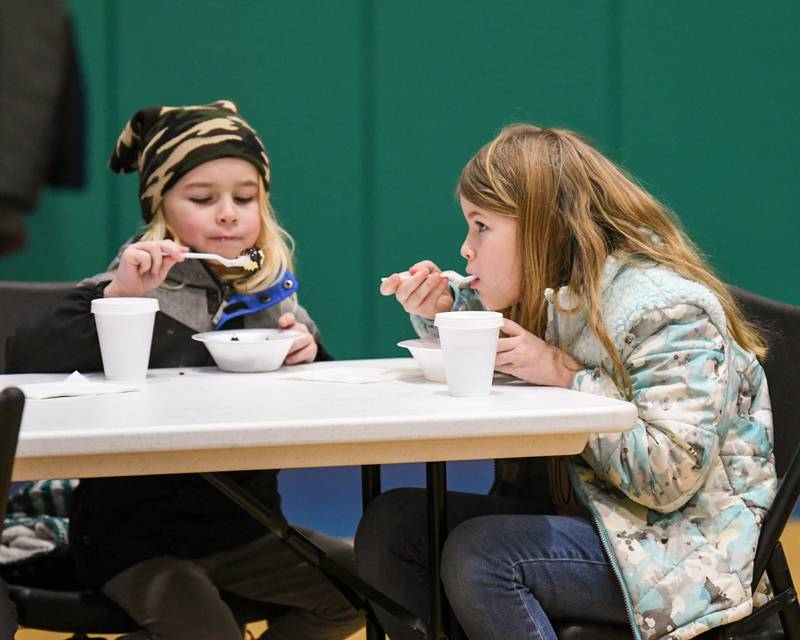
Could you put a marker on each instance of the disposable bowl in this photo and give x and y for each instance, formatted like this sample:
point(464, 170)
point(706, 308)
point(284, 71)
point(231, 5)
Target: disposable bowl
point(428, 355)
point(248, 350)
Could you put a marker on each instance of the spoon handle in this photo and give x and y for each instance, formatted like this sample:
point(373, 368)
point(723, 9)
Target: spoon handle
point(457, 278)
point(203, 256)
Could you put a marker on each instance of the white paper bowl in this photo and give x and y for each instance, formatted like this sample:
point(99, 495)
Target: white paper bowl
point(248, 350)
point(428, 354)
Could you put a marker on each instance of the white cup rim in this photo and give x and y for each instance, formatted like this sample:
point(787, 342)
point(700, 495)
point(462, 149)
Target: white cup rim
point(468, 320)
point(124, 306)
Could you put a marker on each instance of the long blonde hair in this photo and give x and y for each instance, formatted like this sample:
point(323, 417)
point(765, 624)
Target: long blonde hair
point(275, 243)
point(574, 207)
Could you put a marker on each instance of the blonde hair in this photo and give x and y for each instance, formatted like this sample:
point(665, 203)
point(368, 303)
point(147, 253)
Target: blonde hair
point(574, 207)
point(275, 243)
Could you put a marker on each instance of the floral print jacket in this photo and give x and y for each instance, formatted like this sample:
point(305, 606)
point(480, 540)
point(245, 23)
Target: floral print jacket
point(680, 499)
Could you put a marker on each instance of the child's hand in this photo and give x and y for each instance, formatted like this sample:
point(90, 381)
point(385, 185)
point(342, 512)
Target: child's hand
point(304, 348)
point(529, 358)
point(143, 266)
point(425, 293)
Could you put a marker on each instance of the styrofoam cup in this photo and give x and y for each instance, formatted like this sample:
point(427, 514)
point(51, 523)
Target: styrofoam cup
point(469, 348)
point(125, 332)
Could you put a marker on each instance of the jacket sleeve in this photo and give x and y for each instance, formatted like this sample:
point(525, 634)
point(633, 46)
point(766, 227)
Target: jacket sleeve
point(62, 341)
point(463, 300)
point(66, 340)
point(679, 372)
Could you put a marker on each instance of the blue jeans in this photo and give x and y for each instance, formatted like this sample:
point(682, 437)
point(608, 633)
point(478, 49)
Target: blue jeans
point(509, 566)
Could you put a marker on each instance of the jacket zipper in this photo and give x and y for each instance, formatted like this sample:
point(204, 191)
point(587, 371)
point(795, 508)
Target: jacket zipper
point(612, 560)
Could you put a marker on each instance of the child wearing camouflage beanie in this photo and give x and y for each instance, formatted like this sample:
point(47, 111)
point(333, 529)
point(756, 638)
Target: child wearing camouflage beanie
point(163, 547)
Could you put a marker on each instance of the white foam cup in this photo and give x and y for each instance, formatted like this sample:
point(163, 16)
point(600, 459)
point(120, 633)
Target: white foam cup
point(469, 348)
point(125, 332)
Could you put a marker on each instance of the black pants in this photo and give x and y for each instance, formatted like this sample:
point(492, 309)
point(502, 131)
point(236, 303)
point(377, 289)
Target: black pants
point(8, 614)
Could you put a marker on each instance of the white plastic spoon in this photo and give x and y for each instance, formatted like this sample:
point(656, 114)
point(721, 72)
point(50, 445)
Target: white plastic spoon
point(244, 261)
point(456, 277)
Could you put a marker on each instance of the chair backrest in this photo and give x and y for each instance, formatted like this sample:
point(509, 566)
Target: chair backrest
point(24, 302)
point(781, 322)
point(12, 401)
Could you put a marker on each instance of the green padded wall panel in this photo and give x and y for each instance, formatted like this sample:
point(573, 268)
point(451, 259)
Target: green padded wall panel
point(369, 109)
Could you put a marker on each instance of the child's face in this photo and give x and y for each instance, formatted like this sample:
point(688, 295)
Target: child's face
point(215, 207)
point(492, 254)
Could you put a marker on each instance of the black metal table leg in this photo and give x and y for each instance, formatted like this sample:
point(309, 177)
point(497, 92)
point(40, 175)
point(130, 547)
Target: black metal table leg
point(358, 592)
point(436, 473)
point(370, 484)
point(370, 488)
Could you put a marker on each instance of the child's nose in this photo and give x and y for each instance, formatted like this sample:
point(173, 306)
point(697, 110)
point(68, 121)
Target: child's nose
point(466, 251)
point(227, 213)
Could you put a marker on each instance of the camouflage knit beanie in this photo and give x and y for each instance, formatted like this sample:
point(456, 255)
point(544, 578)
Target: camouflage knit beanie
point(164, 143)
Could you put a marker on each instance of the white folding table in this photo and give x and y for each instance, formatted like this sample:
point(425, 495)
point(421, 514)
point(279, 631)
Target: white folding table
point(205, 420)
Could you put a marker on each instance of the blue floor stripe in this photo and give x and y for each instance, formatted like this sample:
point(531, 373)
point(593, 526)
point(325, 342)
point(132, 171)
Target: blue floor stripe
point(329, 499)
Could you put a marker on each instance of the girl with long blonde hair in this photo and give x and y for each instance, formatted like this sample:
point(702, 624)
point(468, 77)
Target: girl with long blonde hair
point(602, 292)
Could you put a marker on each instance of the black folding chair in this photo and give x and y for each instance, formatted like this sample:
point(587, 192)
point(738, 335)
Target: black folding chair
point(24, 302)
point(782, 324)
point(12, 401)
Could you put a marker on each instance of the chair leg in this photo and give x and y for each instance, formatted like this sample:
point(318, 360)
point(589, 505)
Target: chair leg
point(781, 579)
point(374, 631)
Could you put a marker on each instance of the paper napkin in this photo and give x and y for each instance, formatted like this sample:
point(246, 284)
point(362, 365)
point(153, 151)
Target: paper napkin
point(74, 385)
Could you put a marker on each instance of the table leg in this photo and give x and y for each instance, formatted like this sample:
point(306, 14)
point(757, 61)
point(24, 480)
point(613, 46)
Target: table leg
point(436, 476)
point(370, 489)
point(370, 484)
point(359, 593)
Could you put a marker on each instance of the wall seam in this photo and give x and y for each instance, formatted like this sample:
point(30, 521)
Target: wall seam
point(113, 210)
point(614, 87)
point(368, 172)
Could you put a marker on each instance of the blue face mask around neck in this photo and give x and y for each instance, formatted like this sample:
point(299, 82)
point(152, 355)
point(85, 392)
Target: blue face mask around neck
point(242, 304)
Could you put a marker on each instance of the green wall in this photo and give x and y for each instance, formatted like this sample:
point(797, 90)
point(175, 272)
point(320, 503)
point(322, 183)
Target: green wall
point(370, 108)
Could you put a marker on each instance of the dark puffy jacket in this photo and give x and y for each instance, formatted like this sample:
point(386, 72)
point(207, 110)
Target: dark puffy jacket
point(118, 522)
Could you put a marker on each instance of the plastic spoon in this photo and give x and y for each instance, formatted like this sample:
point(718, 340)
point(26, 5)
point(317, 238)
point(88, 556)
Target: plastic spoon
point(243, 261)
point(456, 277)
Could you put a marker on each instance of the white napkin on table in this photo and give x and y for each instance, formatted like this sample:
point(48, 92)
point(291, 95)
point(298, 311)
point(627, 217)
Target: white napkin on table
point(74, 385)
point(350, 375)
